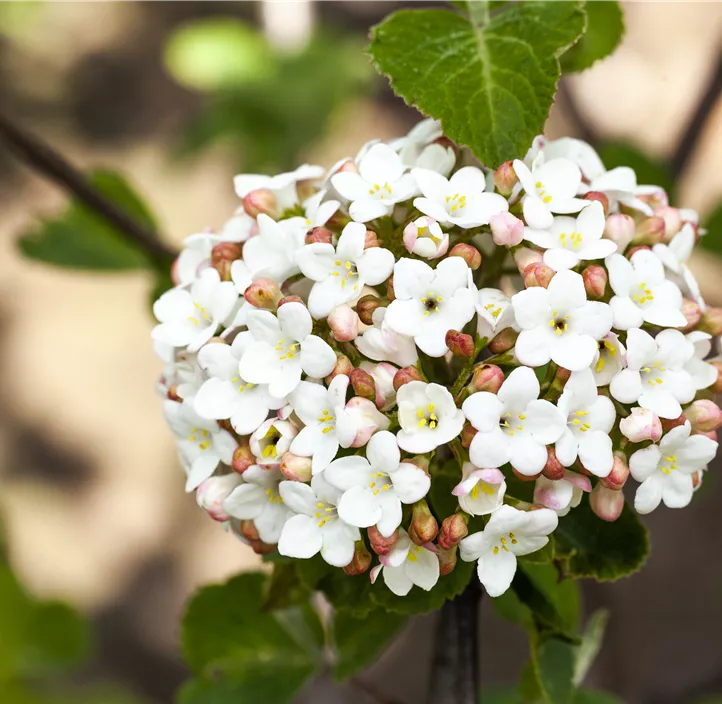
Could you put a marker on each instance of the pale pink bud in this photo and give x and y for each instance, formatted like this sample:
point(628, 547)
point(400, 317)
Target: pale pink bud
point(365, 307)
point(363, 384)
point(607, 504)
point(711, 321)
point(343, 366)
point(347, 166)
point(672, 221)
point(692, 312)
point(617, 478)
point(459, 343)
point(371, 240)
point(504, 341)
point(649, 231)
point(538, 274)
point(425, 238)
point(367, 419)
point(423, 528)
point(669, 423)
point(223, 255)
point(704, 416)
point(553, 469)
point(291, 299)
point(320, 235)
point(467, 435)
point(505, 178)
point(469, 254)
point(524, 257)
point(405, 375)
point(211, 494)
point(383, 375)
point(263, 293)
point(379, 544)
point(447, 560)
point(600, 198)
point(295, 468)
point(261, 201)
point(242, 458)
point(360, 562)
point(620, 229)
point(656, 199)
point(249, 531)
point(486, 377)
point(711, 434)
point(641, 425)
point(595, 281)
point(423, 462)
point(344, 322)
point(454, 529)
point(507, 230)
point(261, 548)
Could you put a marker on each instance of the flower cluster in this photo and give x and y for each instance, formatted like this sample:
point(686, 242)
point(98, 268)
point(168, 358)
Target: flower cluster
point(349, 337)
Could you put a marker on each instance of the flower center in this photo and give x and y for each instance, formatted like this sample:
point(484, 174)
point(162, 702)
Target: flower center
point(199, 315)
point(559, 324)
point(241, 384)
point(431, 303)
point(653, 375)
point(380, 481)
point(268, 443)
point(670, 465)
point(427, 417)
point(413, 551)
point(428, 234)
point(201, 437)
point(575, 420)
point(542, 193)
point(511, 425)
point(346, 272)
point(606, 349)
point(325, 513)
point(570, 241)
point(480, 486)
point(503, 543)
point(273, 496)
point(286, 350)
point(379, 191)
point(643, 295)
point(493, 309)
point(328, 419)
point(455, 203)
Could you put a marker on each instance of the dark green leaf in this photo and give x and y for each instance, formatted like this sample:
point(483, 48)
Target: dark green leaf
point(16, 612)
point(605, 28)
point(591, 644)
point(648, 169)
point(529, 687)
point(604, 551)
point(445, 477)
point(490, 82)
point(284, 588)
point(588, 696)
point(564, 594)
point(554, 666)
point(500, 695)
point(712, 241)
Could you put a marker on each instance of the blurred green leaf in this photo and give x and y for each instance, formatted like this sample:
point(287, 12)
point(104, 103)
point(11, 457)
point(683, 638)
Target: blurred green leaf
point(284, 588)
point(500, 695)
point(712, 241)
point(588, 696)
point(16, 613)
point(605, 28)
point(218, 52)
point(648, 169)
point(554, 665)
point(80, 239)
point(591, 644)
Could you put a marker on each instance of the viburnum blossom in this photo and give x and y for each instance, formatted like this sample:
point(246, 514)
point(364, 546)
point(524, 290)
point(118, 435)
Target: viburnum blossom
point(354, 372)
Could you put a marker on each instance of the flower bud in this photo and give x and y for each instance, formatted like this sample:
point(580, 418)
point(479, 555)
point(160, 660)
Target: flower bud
point(390, 295)
point(692, 312)
point(553, 469)
point(261, 201)
point(454, 529)
point(405, 375)
point(607, 504)
point(371, 240)
point(672, 221)
point(460, 344)
point(447, 560)
point(344, 323)
point(423, 528)
point(425, 238)
point(172, 394)
point(467, 435)
point(507, 230)
point(295, 468)
point(649, 231)
point(524, 256)
point(600, 198)
point(363, 384)
point(656, 199)
point(504, 341)
point(223, 255)
point(469, 254)
point(538, 274)
point(243, 458)
point(343, 366)
point(704, 416)
point(711, 321)
point(525, 477)
point(366, 419)
point(263, 293)
point(421, 461)
point(697, 479)
point(505, 178)
point(669, 423)
point(486, 377)
point(249, 531)
point(641, 425)
point(712, 435)
point(383, 375)
point(320, 235)
point(360, 562)
point(717, 386)
point(211, 494)
point(617, 478)
point(291, 299)
point(261, 548)
point(631, 252)
point(595, 281)
point(620, 229)
point(365, 307)
point(379, 544)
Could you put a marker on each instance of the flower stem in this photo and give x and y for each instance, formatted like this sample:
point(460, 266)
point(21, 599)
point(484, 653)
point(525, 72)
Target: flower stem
point(466, 370)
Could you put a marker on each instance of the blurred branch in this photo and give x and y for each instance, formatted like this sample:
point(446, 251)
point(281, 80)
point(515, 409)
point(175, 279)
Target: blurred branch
point(53, 166)
point(372, 692)
point(569, 105)
point(695, 127)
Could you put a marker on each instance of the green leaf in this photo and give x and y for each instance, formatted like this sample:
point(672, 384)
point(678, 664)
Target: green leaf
point(648, 169)
point(445, 477)
point(237, 651)
point(80, 239)
point(591, 644)
point(360, 641)
point(554, 666)
point(16, 612)
point(605, 28)
point(285, 588)
point(588, 696)
point(529, 686)
point(490, 82)
point(500, 695)
point(602, 550)
point(712, 241)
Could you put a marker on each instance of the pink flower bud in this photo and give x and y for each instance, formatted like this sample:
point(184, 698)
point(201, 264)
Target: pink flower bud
point(595, 281)
point(524, 477)
point(553, 469)
point(469, 254)
point(319, 235)
point(261, 201)
point(383, 375)
point(425, 238)
point(295, 468)
point(711, 321)
point(524, 257)
point(390, 295)
point(717, 386)
point(223, 255)
point(672, 221)
point(620, 229)
point(405, 375)
point(656, 199)
point(486, 377)
point(599, 197)
point(363, 384)
point(344, 322)
point(711, 434)
point(366, 418)
point(467, 435)
point(608, 504)
point(454, 529)
point(504, 341)
point(343, 366)
point(538, 274)
point(649, 231)
point(692, 312)
point(380, 545)
point(360, 562)
point(447, 560)
point(617, 478)
point(365, 307)
point(669, 423)
point(421, 461)
point(460, 344)
point(261, 548)
point(641, 425)
point(704, 416)
point(242, 458)
point(505, 178)
point(507, 230)
point(371, 240)
point(211, 494)
point(263, 293)
point(249, 531)
point(291, 299)
point(423, 528)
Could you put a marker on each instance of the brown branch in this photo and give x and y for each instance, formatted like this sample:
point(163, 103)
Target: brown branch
point(53, 166)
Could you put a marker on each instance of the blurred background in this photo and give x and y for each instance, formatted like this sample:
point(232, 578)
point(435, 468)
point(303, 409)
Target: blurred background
point(178, 97)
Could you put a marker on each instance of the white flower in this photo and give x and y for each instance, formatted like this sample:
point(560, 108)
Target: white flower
point(202, 444)
point(642, 293)
point(610, 359)
point(576, 150)
point(429, 302)
point(428, 417)
point(273, 252)
point(641, 425)
point(494, 312)
point(271, 440)
point(365, 418)
point(418, 148)
point(558, 323)
point(327, 423)
point(318, 210)
point(184, 376)
point(194, 258)
point(703, 374)
point(460, 200)
point(620, 187)
point(569, 241)
point(425, 238)
point(284, 347)
point(341, 273)
point(226, 395)
point(379, 184)
point(375, 487)
point(316, 526)
point(513, 425)
point(238, 228)
point(590, 419)
point(561, 495)
point(509, 534)
point(283, 186)
point(655, 377)
point(258, 500)
point(383, 375)
point(674, 256)
point(242, 279)
point(550, 187)
point(666, 470)
point(383, 344)
point(407, 565)
point(480, 491)
point(190, 318)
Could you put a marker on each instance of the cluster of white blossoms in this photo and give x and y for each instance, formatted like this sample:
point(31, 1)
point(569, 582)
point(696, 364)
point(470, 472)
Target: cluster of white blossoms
point(349, 336)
